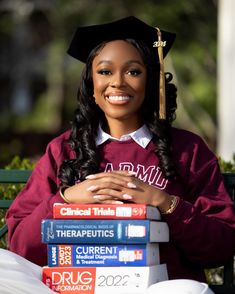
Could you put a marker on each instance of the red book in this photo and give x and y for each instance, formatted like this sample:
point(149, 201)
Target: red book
point(105, 211)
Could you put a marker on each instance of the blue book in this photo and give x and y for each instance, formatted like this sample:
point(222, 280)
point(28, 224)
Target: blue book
point(77, 231)
point(66, 255)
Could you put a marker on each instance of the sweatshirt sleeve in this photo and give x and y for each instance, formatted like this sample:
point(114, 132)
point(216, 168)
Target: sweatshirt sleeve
point(203, 224)
point(33, 204)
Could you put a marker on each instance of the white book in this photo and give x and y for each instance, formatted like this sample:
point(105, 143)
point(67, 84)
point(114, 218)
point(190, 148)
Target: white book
point(102, 280)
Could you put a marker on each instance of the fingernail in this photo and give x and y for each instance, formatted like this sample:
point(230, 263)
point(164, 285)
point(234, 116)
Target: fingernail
point(131, 185)
point(97, 196)
point(126, 196)
point(92, 188)
point(118, 202)
point(90, 177)
point(131, 173)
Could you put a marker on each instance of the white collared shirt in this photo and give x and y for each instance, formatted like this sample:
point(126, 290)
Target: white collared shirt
point(142, 136)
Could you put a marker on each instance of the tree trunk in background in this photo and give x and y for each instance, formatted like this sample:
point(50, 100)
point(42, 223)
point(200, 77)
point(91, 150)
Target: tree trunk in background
point(226, 79)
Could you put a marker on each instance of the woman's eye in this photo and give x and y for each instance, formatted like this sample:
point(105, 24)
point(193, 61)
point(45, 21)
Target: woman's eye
point(134, 72)
point(104, 72)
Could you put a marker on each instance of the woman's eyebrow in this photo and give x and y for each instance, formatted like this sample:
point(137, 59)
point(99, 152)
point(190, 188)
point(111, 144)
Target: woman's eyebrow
point(104, 61)
point(135, 61)
point(128, 62)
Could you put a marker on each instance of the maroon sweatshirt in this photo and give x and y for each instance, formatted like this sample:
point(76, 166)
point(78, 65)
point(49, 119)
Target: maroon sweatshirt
point(202, 227)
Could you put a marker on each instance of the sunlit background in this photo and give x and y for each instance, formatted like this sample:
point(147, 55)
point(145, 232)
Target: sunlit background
point(39, 81)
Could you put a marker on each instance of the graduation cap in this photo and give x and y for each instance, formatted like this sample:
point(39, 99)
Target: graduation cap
point(86, 38)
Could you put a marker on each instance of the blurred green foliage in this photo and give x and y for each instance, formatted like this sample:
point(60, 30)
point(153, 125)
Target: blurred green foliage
point(227, 166)
point(20, 163)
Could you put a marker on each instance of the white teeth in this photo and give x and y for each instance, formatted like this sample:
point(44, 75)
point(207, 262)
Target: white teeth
point(119, 98)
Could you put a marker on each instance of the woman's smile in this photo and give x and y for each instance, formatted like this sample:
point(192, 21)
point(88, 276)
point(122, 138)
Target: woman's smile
point(118, 99)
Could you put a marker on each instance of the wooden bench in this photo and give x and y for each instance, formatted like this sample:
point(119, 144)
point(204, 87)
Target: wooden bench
point(228, 286)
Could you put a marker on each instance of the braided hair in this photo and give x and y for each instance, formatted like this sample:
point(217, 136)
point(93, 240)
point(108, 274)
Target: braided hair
point(88, 116)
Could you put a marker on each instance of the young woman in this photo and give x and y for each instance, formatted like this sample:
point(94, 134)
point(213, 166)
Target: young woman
point(122, 147)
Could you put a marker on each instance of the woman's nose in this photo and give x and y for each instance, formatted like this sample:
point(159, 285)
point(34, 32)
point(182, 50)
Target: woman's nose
point(117, 80)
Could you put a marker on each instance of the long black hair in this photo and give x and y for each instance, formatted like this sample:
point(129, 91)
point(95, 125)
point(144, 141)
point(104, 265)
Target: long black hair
point(88, 116)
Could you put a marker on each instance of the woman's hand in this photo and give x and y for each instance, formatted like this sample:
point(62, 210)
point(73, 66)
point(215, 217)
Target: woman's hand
point(85, 192)
point(117, 187)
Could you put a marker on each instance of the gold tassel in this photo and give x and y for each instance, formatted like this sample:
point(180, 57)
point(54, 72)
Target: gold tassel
point(162, 93)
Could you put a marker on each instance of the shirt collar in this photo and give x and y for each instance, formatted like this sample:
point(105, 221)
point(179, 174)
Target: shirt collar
point(142, 136)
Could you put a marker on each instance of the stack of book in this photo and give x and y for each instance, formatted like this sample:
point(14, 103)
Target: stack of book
point(95, 249)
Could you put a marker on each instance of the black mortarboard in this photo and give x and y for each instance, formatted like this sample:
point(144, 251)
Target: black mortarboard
point(86, 38)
